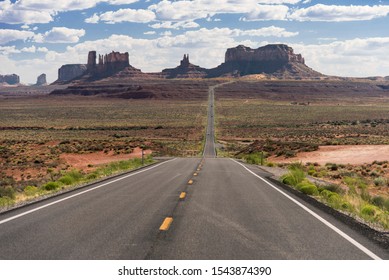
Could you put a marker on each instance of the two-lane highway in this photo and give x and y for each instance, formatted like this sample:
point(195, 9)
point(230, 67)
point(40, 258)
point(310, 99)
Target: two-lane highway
point(229, 212)
point(118, 219)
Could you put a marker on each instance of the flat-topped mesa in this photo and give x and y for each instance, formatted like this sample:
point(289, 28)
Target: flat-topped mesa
point(275, 52)
point(275, 60)
point(108, 64)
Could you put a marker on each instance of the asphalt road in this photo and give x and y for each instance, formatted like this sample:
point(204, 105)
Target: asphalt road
point(209, 147)
point(229, 212)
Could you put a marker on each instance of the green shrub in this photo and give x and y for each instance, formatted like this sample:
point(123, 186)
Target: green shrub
point(30, 190)
point(295, 176)
point(331, 187)
point(309, 189)
point(6, 201)
point(346, 206)
point(75, 175)
point(386, 204)
point(378, 201)
point(255, 158)
point(328, 194)
point(66, 180)
point(7, 192)
point(50, 186)
point(380, 181)
point(368, 210)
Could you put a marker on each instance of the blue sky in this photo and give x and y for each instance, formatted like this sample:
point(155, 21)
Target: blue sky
point(346, 37)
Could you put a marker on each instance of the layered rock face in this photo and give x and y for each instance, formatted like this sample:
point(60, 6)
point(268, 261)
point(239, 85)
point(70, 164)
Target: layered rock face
point(41, 80)
point(277, 53)
point(70, 72)
point(278, 60)
point(12, 79)
point(185, 70)
point(108, 64)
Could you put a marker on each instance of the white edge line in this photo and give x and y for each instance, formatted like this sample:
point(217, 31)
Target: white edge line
point(80, 193)
point(324, 221)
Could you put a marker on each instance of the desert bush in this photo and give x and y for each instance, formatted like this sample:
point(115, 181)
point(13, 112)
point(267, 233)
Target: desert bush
point(71, 177)
point(307, 187)
point(50, 186)
point(380, 181)
point(368, 210)
point(255, 158)
point(7, 191)
point(66, 180)
point(378, 201)
point(386, 204)
point(295, 175)
point(6, 201)
point(355, 182)
point(30, 190)
point(331, 187)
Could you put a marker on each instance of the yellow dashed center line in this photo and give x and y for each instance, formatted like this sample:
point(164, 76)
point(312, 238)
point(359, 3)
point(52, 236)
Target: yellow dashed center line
point(190, 182)
point(166, 224)
point(182, 195)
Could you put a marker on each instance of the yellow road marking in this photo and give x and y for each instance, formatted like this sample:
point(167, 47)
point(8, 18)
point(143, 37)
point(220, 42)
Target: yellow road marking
point(166, 224)
point(182, 195)
point(190, 182)
point(195, 174)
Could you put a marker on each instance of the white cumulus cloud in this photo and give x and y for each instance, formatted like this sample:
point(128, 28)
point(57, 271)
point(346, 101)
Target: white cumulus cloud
point(60, 35)
point(175, 25)
point(335, 13)
point(123, 15)
point(184, 10)
point(10, 35)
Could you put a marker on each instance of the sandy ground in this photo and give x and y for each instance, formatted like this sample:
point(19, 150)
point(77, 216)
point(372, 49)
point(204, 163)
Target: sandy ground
point(81, 161)
point(347, 154)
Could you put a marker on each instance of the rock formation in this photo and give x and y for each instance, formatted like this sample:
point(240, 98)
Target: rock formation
point(12, 79)
point(185, 70)
point(41, 80)
point(270, 61)
point(278, 60)
point(107, 65)
point(70, 72)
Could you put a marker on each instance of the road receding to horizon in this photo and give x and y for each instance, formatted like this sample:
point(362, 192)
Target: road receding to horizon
point(183, 208)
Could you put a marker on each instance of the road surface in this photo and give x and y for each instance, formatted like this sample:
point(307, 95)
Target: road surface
point(230, 211)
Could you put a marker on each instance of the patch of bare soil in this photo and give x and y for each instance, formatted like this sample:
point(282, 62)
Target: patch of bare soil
point(88, 162)
point(342, 154)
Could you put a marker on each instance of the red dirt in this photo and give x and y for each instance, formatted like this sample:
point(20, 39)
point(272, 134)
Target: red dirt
point(342, 154)
point(81, 161)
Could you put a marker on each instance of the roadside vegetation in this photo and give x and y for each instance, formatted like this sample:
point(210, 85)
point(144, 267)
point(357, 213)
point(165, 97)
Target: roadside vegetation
point(343, 187)
point(67, 180)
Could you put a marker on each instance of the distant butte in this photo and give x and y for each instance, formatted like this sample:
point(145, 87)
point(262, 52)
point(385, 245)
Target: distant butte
point(185, 70)
point(12, 79)
point(276, 60)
